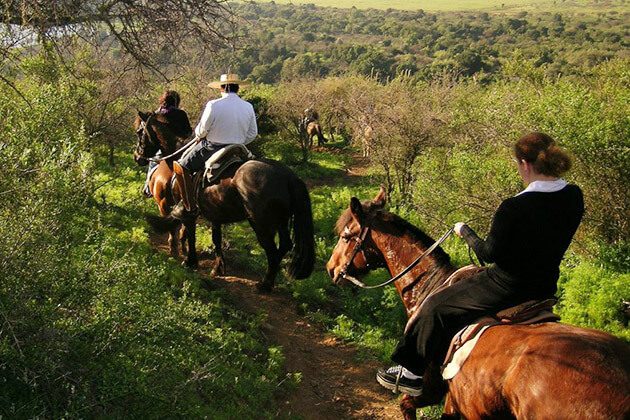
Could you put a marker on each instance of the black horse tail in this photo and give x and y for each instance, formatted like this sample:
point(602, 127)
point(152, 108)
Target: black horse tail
point(162, 224)
point(303, 256)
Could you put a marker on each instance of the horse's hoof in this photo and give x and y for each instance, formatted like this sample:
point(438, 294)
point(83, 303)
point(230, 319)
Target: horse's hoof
point(193, 265)
point(263, 287)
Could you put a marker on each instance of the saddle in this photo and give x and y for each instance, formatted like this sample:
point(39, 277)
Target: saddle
point(462, 344)
point(222, 160)
point(530, 312)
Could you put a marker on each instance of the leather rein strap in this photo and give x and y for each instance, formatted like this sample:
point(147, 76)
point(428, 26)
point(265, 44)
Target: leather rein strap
point(344, 275)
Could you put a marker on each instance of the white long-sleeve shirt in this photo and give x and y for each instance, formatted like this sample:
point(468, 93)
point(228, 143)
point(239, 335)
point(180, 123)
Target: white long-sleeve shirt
point(228, 120)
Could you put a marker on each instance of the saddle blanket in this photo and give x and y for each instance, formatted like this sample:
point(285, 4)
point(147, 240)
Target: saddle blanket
point(464, 342)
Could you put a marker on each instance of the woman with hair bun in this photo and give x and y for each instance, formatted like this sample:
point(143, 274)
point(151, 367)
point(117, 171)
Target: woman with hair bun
point(529, 235)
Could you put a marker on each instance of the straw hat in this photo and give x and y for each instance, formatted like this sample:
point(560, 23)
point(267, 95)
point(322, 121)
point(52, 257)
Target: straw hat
point(226, 79)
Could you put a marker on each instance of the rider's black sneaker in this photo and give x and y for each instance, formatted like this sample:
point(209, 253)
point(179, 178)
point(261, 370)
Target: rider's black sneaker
point(179, 212)
point(394, 380)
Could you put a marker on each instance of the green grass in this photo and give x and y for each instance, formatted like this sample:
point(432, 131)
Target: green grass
point(470, 5)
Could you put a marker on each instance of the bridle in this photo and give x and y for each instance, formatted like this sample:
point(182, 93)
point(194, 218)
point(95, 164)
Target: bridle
point(358, 247)
point(360, 238)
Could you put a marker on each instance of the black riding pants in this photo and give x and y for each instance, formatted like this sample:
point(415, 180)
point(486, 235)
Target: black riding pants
point(451, 309)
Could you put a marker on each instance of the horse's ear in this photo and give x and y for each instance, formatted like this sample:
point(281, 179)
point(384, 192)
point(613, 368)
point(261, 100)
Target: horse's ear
point(143, 115)
point(357, 209)
point(381, 198)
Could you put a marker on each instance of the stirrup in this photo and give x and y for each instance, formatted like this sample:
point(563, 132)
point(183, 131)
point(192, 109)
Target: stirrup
point(398, 376)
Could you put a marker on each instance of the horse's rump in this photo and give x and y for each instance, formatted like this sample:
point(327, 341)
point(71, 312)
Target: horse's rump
point(275, 198)
point(538, 368)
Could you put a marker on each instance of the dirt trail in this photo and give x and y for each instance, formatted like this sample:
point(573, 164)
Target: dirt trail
point(334, 384)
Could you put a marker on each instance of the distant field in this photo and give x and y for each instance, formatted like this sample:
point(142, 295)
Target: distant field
point(484, 5)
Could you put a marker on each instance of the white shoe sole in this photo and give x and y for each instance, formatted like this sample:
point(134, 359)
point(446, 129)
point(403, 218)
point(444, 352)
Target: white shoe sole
point(401, 388)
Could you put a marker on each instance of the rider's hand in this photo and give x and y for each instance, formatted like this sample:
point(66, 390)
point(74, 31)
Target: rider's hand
point(458, 228)
point(197, 139)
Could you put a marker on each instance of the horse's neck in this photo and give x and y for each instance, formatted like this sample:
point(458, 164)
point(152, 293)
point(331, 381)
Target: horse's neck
point(169, 143)
point(423, 279)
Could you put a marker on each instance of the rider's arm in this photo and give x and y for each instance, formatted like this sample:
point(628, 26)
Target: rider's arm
point(252, 131)
point(201, 131)
point(498, 239)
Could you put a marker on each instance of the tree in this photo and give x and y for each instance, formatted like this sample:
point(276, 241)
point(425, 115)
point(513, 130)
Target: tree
point(151, 32)
point(287, 111)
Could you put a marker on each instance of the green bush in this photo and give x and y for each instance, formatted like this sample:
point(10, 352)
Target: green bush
point(591, 296)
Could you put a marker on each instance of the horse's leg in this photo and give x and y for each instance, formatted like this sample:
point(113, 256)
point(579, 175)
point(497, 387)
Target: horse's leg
point(173, 240)
point(163, 205)
point(450, 411)
point(408, 408)
point(266, 238)
point(191, 234)
point(433, 390)
point(219, 263)
point(183, 235)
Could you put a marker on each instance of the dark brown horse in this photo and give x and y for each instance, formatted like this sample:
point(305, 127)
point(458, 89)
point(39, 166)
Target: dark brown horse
point(265, 193)
point(165, 193)
point(546, 371)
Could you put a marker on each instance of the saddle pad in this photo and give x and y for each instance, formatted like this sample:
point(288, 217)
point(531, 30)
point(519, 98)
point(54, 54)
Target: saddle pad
point(232, 149)
point(465, 340)
point(461, 354)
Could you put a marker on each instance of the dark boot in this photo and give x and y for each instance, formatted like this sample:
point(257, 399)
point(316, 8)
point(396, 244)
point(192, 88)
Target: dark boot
point(396, 380)
point(187, 208)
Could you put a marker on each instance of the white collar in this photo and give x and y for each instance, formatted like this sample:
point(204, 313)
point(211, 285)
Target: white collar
point(545, 186)
point(226, 94)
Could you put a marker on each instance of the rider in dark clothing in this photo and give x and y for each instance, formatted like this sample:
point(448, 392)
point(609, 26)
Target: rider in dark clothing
point(177, 121)
point(528, 238)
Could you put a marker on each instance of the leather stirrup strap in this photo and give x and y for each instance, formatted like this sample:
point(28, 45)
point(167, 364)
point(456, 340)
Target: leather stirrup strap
point(187, 186)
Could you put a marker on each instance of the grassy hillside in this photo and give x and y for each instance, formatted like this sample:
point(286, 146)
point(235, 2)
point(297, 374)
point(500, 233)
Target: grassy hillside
point(482, 5)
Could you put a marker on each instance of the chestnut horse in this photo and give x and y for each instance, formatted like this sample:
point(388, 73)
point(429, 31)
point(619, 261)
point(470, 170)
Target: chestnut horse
point(546, 371)
point(265, 193)
point(165, 193)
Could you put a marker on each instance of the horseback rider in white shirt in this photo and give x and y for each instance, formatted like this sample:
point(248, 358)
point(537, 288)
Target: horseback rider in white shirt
point(227, 120)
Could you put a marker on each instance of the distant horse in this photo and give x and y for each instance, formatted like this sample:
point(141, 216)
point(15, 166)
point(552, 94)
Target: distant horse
point(165, 193)
point(544, 371)
point(314, 129)
point(265, 193)
point(366, 140)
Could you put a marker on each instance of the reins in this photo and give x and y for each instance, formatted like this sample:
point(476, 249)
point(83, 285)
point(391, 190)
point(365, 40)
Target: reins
point(180, 150)
point(344, 275)
point(144, 126)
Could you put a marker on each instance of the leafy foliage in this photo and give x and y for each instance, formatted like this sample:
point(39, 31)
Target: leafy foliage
point(94, 323)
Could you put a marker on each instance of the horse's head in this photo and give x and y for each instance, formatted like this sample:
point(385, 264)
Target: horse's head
point(355, 252)
point(148, 143)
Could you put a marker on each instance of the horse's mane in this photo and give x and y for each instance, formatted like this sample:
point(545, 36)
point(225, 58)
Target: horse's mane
point(165, 128)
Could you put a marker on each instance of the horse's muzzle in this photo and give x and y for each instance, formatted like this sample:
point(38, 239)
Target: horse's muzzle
point(338, 279)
